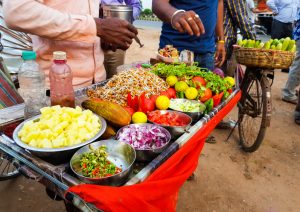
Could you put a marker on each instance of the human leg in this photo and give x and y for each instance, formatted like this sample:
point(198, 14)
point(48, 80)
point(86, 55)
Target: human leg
point(277, 29)
point(297, 111)
point(112, 60)
point(288, 93)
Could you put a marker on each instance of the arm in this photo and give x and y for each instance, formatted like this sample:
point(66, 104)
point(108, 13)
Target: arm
point(183, 21)
point(220, 51)
point(137, 7)
point(272, 5)
point(38, 19)
point(239, 16)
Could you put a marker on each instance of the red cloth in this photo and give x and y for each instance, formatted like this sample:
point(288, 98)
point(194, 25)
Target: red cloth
point(159, 191)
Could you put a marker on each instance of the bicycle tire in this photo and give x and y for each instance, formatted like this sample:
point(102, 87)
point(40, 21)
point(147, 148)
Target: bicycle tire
point(7, 169)
point(244, 116)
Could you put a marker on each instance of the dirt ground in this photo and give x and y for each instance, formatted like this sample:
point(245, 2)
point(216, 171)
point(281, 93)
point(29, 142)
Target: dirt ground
point(227, 179)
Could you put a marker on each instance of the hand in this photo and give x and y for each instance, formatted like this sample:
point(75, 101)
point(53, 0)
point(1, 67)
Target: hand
point(188, 22)
point(117, 32)
point(107, 46)
point(220, 55)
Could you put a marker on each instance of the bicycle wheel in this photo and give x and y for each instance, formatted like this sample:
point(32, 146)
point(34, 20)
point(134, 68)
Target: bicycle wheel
point(252, 113)
point(7, 169)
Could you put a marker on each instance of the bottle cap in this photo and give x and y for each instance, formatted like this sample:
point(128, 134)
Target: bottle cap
point(59, 55)
point(28, 55)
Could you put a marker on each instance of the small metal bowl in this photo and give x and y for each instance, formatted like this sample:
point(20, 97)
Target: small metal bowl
point(194, 115)
point(121, 154)
point(146, 155)
point(175, 131)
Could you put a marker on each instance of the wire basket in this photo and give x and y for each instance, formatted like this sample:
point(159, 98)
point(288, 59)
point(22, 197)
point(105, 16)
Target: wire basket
point(263, 58)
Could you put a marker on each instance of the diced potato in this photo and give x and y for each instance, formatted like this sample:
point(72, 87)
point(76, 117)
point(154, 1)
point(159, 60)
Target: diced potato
point(59, 127)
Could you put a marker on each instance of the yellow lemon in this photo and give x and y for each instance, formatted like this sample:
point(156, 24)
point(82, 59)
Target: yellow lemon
point(191, 93)
point(162, 102)
point(139, 117)
point(230, 81)
point(171, 80)
point(181, 86)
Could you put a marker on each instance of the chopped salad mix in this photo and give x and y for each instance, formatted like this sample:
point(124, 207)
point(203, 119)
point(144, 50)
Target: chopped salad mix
point(186, 105)
point(95, 164)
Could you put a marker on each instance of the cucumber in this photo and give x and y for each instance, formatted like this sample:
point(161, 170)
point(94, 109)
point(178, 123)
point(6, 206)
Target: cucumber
point(279, 46)
point(267, 45)
point(292, 43)
point(285, 44)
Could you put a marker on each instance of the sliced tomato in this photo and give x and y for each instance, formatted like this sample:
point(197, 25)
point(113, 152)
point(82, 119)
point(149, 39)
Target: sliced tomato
point(205, 95)
point(199, 81)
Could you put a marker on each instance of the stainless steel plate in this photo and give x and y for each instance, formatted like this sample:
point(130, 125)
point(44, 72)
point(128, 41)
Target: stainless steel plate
point(48, 150)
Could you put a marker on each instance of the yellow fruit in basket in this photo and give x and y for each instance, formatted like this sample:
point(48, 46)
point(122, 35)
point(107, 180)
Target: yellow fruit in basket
point(162, 102)
point(139, 117)
point(60, 127)
point(171, 80)
point(191, 93)
point(181, 86)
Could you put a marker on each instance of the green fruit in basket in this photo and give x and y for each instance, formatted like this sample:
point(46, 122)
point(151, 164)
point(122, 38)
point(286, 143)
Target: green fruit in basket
point(293, 49)
point(281, 40)
point(261, 45)
point(279, 46)
point(191, 93)
point(267, 45)
point(171, 80)
point(181, 86)
point(273, 47)
point(240, 42)
point(291, 45)
point(244, 43)
point(285, 44)
point(275, 42)
point(257, 43)
point(271, 41)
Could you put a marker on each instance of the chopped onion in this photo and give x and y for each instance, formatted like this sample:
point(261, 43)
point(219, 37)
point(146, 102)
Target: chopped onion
point(144, 137)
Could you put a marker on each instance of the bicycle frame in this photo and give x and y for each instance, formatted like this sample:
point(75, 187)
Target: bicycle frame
point(253, 108)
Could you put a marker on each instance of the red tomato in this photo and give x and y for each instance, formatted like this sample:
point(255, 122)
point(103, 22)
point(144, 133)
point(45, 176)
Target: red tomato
point(153, 98)
point(129, 110)
point(207, 94)
point(199, 81)
point(172, 93)
point(165, 93)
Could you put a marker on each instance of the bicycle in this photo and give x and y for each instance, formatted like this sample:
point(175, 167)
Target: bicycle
point(254, 107)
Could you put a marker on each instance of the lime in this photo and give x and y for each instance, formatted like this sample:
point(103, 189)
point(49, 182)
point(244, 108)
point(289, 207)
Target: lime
point(230, 81)
point(171, 80)
point(162, 102)
point(181, 86)
point(139, 117)
point(191, 93)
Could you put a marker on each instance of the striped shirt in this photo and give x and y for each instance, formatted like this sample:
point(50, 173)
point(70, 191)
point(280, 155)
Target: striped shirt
point(236, 17)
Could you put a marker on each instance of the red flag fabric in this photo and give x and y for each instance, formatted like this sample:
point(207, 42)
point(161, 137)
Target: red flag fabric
point(159, 191)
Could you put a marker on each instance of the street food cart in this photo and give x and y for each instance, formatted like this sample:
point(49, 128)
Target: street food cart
point(162, 177)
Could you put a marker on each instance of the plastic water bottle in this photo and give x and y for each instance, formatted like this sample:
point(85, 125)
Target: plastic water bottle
point(61, 88)
point(32, 84)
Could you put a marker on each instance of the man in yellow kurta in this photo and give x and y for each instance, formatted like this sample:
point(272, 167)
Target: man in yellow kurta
point(70, 26)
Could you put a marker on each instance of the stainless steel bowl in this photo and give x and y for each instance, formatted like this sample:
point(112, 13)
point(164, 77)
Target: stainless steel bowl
point(194, 115)
point(55, 155)
point(146, 155)
point(119, 153)
point(124, 12)
point(175, 131)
